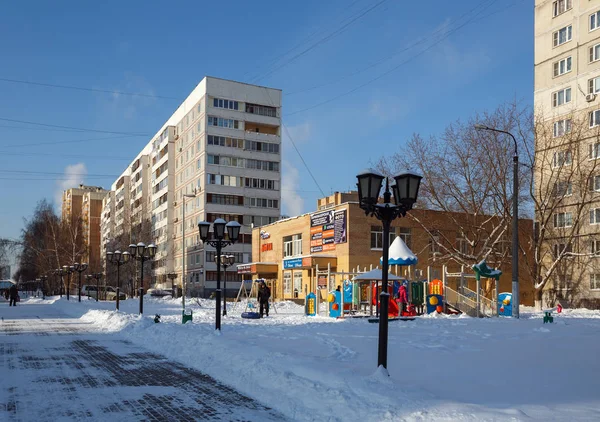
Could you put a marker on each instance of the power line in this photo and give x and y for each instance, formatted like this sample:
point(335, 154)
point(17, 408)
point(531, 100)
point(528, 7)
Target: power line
point(73, 128)
point(304, 41)
point(48, 154)
point(321, 41)
point(66, 142)
point(386, 58)
point(446, 35)
point(79, 88)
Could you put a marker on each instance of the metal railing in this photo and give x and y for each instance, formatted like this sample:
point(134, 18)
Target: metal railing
point(461, 302)
point(487, 307)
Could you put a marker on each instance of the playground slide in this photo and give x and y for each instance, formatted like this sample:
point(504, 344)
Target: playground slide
point(393, 310)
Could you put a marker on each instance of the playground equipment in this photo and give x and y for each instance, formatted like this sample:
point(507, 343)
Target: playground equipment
point(505, 304)
point(548, 318)
point(471, 302)
point(250, 311)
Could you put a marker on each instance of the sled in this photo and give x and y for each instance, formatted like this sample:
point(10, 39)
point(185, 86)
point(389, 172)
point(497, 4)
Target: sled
point(250, 315)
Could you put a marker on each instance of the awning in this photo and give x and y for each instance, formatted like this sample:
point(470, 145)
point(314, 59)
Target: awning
point(376, 275)
point(258, 268)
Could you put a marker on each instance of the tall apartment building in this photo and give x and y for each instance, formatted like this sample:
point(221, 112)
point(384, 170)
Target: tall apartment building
point(223, 145)
point(82, 208)
point(567, 83)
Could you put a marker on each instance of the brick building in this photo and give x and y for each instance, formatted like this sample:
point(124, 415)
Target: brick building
point(294, 254)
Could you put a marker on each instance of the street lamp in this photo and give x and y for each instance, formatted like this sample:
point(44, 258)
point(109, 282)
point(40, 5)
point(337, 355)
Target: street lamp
point(68, 270)
point(172, 276)
point(226, 261)
point(406, 190)
point(88, 280)
point(142, 253)
point(60, 272)
point(515, 221)
point(98, 276)
point(218, 242)
point(184, 250)
point(79, 268)
point(118, 258)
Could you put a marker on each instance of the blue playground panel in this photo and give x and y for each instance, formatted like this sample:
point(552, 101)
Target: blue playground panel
point(503, 308)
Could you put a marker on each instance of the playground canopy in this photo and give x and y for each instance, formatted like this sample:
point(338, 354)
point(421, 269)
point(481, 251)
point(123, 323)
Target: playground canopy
point(6, 284)
point(399, 254)
point(375, 275)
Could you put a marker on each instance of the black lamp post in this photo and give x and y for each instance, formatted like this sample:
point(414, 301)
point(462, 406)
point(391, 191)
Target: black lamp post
point(43, 280)
point(142, 253)
point(98, 276)
point(79, 268)
point(218, 242)
point(60, 273)
point(118, 258)
point(406, 190)
point(515, 221)
point(68, 269)
point(172, 276)
point(226, 261)
point(88, 280)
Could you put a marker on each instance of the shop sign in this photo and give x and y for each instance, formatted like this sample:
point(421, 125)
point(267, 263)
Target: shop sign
point(266, 247)
point(292, 263)
point(327, 229)
point(246, 269)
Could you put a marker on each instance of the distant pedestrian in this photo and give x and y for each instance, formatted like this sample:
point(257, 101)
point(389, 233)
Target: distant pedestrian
point(13, 293)
point(402, 298)
point(264, 293)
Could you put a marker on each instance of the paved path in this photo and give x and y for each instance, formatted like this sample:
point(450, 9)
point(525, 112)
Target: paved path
point(54, 368)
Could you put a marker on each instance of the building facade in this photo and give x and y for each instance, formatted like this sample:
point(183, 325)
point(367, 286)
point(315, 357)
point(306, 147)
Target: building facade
point(217, 156)
point(297, 254)
point(82, 209)
point(567, 173)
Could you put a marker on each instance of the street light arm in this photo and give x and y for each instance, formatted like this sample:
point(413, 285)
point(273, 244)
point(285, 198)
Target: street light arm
point(491, 129)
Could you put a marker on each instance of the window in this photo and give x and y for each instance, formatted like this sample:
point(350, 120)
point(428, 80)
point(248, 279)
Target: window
point(254, 183)
point(563, 188)
point(562, 158)
point(434, 243)
point(595, 247)
point(594, 281)
point(297, 282)
point(561, 6)
point(224, 141)
point(562, 66)
point(595, 53)
point(462, 245)
point(292, 245)
point(562, 127)
point(213, 198)
point(594, 184)
point(262, 165)
point(221, 122)
point(562, 36)
point(377, 237)
point(594, 85)
point(595, 216)
point(228, 104)
point(287, 282)
point(561, 249)
point(594, 21)
point(405, 235)
point(262, 110)
point(561, 97)
point(262, 202)
point(262, 146)
point(564, 219)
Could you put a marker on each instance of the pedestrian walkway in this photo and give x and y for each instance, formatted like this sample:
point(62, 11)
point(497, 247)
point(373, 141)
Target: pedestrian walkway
point(57, 368)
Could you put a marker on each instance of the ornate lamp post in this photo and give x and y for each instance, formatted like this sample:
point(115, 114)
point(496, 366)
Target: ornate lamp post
point(226, 261)
point(68, 269)
point(98, 276)
point(218, 242)
point(60, 273)
point(515, 221)
point(118, 258)
point(79, 268)
point(172, 276)
point(88, 280)
point(43, 280)
point(406, 190)
point(142, 253)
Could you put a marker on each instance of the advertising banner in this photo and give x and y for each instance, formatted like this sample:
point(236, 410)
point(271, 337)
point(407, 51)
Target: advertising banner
point(327, 228)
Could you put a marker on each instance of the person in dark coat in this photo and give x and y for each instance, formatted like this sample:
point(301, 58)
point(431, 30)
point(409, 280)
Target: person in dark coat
point(264, 293)
point(13, 293)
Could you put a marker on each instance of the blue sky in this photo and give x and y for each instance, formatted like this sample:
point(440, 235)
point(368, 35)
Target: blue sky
point(165, 48)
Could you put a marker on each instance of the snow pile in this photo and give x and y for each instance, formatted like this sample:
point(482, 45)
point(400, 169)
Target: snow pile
point(317, 368)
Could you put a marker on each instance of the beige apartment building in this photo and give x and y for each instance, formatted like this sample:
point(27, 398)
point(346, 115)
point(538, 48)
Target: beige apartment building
point(217, 156)
point(567, 177)
point(82, 208)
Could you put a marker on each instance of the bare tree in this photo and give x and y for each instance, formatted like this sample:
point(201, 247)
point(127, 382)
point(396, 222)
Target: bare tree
point(468, 175)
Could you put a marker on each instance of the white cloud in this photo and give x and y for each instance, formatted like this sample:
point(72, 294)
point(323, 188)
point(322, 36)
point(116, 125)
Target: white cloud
point(291, 203)
point(128, 106)
point(300, 133)
point(73, 177)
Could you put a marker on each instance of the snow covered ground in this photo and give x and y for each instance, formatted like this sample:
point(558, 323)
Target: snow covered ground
point(316, 368)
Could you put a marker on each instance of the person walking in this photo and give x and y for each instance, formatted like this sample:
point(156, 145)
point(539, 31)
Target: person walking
point(13, 293)
point(402, 298)
point(264, 293)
